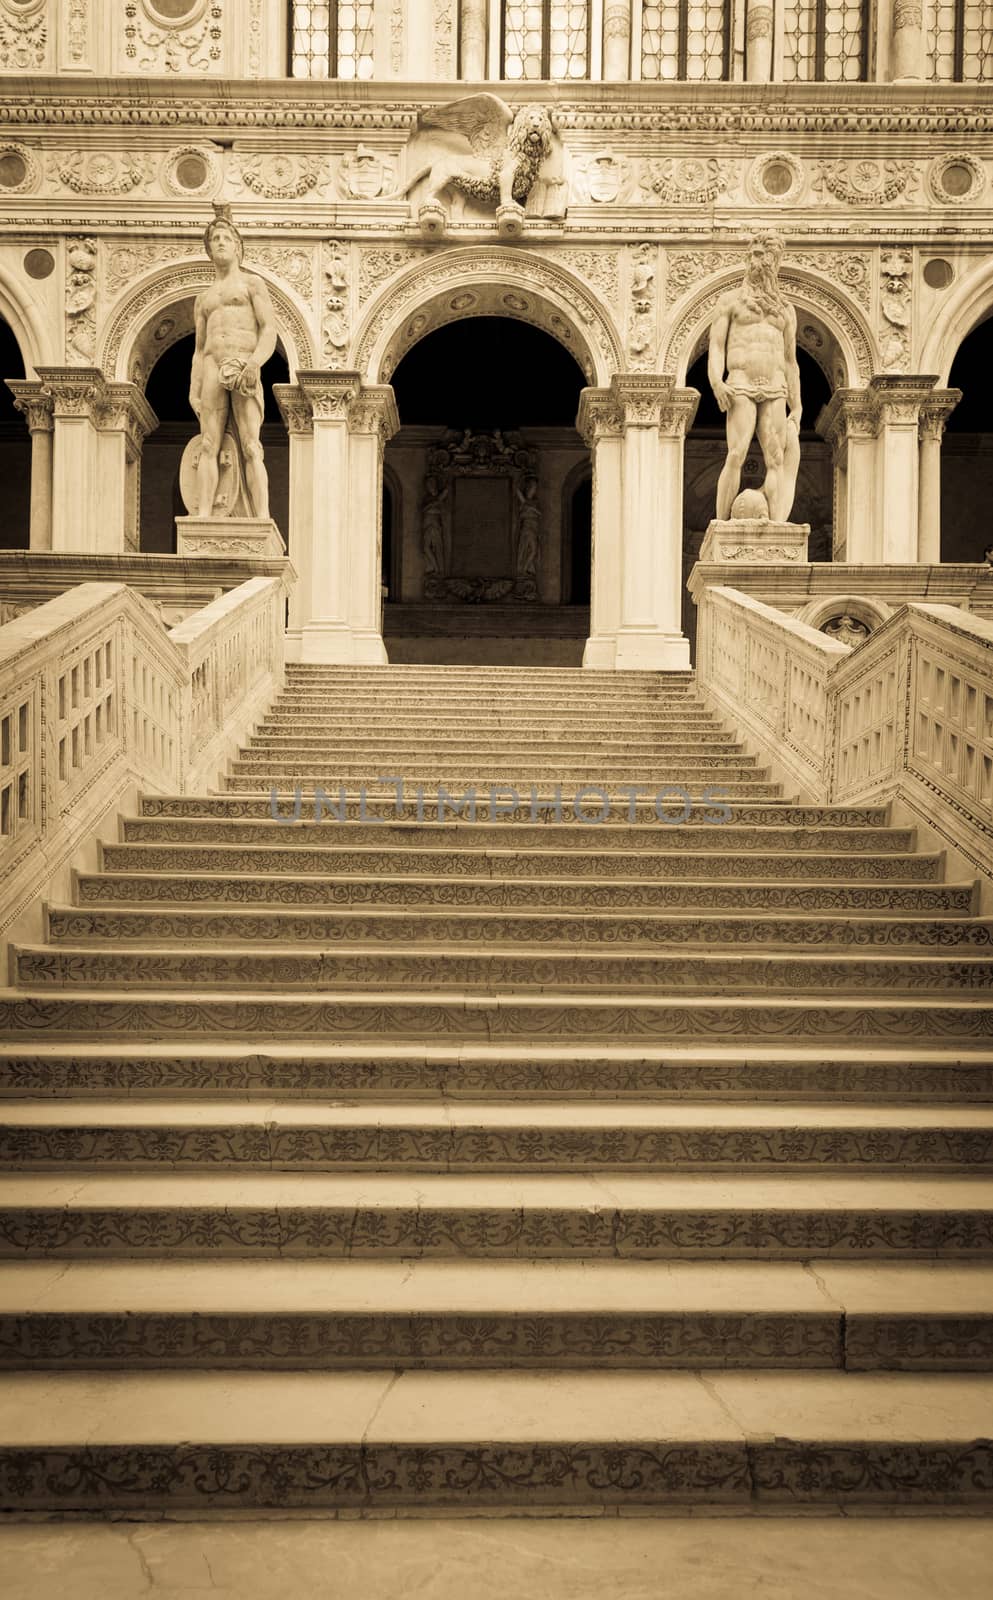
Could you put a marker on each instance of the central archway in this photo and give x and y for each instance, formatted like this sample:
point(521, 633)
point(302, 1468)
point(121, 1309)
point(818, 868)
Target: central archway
point(480, 554)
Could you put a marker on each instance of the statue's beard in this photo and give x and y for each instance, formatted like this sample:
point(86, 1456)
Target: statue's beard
point(762, 286)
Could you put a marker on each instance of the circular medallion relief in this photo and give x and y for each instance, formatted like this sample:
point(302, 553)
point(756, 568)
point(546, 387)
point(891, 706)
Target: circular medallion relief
point(39, 263)
point(778, 176)
point(955, 178)
point(18, 169)
point(190, 171)
point(938, 274)
point(173, 13)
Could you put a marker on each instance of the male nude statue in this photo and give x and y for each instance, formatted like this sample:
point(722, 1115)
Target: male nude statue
point(753, 339)
point(235, 336)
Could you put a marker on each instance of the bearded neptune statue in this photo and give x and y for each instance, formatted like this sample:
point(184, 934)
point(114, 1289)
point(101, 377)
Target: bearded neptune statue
point(753, 372)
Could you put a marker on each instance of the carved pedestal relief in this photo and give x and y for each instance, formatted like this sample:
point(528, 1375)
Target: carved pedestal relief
point(480, 519)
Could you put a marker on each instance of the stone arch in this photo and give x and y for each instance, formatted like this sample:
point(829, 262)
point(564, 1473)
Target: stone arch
point(29, 329)
point(969, 304)
point(829, 327)
point(487, 282)
point(159, 310)
point(867, 609)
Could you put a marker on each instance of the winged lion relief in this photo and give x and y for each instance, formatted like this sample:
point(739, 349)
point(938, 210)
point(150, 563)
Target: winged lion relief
point(484, 150)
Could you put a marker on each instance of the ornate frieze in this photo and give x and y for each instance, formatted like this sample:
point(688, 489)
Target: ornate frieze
point(24, 36)
point(603, 178)
point(895, 309)
point(99, 173)
point(377, 263)
point(685, 181)
point(152, 44)
point(80, 300)
point(334, 303)
point(366, 174)
point(281, 175)
point(866, 182)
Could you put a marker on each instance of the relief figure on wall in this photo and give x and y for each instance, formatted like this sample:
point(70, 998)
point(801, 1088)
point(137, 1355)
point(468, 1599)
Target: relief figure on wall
point(433, 527)
point(753, 371)
point(528, 538)
point(235, 336)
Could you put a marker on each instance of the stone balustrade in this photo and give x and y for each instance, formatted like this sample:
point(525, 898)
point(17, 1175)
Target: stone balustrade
point(906, 716)
point(98, 700)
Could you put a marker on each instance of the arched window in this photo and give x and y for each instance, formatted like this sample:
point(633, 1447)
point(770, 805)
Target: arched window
point(545, 39)
point(331, 41)
point(685, 39)
point(959, 36)
point(825, 41)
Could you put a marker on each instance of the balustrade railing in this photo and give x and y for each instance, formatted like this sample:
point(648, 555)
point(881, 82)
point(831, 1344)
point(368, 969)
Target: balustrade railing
point(97, 699)
point(907, 714)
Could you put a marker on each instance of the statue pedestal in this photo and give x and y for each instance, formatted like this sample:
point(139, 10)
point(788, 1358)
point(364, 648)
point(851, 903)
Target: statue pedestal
point(754, 539)
point(228, 536)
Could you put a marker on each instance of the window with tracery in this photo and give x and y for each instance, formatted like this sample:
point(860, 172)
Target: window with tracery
point(685, 39)
point(825, 41)
point(331, 41)
point(546, 39)
point(959, 37)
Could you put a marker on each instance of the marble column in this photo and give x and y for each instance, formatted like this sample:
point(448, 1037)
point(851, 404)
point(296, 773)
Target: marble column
point(372, 421)
point(600, 421)
point(849, 423)
point(935, 411)
point(898, 401)
point(907, 42)
point(77, 394)
point(758, 41)
point(617, 41)
point(34, 402)
point(326, 634)
point(298, 416)
point(124, 420)
point(472, 41)
point(655, 415)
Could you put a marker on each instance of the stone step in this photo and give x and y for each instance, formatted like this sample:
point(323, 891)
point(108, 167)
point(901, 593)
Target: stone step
point(302, 1136)
point(954, 1018)
point(548, 969)
point(459, 1315)
point(374, 1443)
point(365, 860)
point(891, 900)
point(538, 925)
point(676, 787)
point(496, 769)
point(611, 1215)
point(648, 724)
point(541, 807)
point(408, 836)
point(212, 1070)
point(486, 748)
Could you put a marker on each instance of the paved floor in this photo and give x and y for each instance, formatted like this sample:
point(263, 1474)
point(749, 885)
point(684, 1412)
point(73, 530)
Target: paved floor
point(475, 1559)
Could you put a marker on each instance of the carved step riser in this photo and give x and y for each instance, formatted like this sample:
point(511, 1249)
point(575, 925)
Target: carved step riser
point(578, 1476)
point(424, 927)
point(483, 1150)
point(495, 1233)
point(285, 771)
point(602, 1340)
point(368, 862)
point(226, 807)
point(479, 895)
point(57, 1016)
point(450, 831)
point(685, 725)
point(539, 969)
point(519, 1077)
point(587, 751)
point(699, 794)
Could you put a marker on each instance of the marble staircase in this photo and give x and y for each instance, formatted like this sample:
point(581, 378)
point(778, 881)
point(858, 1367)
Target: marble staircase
point(396, 1163)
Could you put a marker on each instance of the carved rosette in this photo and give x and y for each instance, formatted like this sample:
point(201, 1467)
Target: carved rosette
point(282, 175)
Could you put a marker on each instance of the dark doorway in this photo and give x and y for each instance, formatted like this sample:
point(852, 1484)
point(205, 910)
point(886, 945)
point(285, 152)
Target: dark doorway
point(15, 450)
point(967, 452)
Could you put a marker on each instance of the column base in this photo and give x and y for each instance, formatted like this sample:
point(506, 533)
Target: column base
point(228, 536)
point(652, 652)
point(336, 644)
point(599, 652)
point(754, 539)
